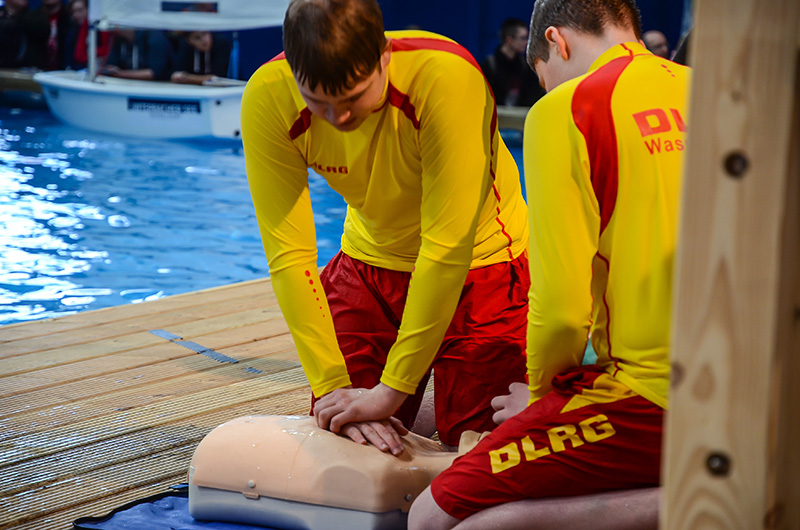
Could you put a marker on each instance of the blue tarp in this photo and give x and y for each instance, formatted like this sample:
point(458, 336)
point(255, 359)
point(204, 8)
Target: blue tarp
point(168, 512)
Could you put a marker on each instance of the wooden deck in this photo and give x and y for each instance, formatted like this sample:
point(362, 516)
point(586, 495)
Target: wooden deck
point(97, 410)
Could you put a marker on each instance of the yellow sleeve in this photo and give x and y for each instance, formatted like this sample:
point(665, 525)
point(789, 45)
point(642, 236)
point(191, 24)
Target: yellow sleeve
point(278, 179)
point(457, 160)
point(564, 223)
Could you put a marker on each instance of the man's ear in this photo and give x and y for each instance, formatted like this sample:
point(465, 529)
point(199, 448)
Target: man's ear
point(558, 44)
point(386, 56)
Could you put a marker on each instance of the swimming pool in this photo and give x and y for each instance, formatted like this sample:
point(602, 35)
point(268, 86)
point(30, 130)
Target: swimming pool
point(90, 221)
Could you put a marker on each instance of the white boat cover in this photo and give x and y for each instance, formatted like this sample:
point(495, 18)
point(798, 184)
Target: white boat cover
point(188, 15)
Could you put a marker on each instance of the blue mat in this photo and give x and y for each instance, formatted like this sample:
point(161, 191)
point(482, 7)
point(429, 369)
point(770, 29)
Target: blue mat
point(165, 511)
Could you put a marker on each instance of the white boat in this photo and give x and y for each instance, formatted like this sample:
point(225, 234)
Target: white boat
point(147, 109)
point(158, 109)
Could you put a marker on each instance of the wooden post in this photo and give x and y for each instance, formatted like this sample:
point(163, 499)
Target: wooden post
point(732, 448)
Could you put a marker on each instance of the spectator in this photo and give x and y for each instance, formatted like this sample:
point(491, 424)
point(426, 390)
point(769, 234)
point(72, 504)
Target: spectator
point(47, 28)
point(603, 153)
point(142, 55)
point(657, 43)
point(78, 36)
point(202, 56)
point(513, 82)
point(13, 37)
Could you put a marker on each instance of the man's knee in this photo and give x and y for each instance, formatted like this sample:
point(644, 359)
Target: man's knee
point(425, 514)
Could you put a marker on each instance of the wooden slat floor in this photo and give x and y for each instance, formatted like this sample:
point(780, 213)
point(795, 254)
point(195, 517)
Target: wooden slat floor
point(97, 411)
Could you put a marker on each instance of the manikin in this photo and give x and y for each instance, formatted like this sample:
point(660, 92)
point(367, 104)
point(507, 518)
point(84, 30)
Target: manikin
point(286, 472)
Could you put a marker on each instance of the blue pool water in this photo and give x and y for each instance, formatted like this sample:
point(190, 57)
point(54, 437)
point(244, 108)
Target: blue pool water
point(90, 221)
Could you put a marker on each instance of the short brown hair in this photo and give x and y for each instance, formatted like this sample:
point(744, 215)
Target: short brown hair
point(333, 43)
point(585, 16)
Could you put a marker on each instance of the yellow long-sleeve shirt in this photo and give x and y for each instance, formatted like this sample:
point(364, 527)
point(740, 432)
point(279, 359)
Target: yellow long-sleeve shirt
point(430, 187)
point(603, 155)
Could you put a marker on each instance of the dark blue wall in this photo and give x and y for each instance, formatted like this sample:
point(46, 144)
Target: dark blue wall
point(473, 23)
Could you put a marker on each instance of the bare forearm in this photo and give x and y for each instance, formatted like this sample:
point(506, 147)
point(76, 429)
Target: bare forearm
point(186, 78)
point(143, 74)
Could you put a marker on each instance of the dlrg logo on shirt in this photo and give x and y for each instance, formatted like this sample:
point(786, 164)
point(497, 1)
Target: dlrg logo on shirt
point(319, 168)
point(593, 430)
point(657, 121)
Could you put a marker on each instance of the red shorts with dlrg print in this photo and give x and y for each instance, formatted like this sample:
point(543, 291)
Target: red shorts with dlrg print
point(483, 350)
point(567, 443)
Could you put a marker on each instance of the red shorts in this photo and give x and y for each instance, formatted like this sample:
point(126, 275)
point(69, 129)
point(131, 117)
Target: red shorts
point(482, 352)
point(567, 443)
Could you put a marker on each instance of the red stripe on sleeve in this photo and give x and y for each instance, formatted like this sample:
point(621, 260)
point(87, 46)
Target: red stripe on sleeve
point(412, 44)
point(303, 121)
point(402, 102)
point(301, 124)
point(608, 314)
point(591, 110)
point(404, 45)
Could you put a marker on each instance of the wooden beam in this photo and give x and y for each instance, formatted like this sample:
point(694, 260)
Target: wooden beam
point(730, 452)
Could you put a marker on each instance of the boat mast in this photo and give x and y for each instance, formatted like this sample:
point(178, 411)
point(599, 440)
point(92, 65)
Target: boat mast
point(96, 10)
point(92, 62)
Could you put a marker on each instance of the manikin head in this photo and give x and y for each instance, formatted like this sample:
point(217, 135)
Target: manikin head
point(566, 36)
point(338, 53)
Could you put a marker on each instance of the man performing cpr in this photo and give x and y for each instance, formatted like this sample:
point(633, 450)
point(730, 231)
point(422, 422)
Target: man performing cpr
point(432, 270)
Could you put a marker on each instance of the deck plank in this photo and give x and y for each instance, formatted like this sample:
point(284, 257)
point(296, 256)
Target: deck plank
point(33, 444)
point(96, 411)
point(49, 469)
point(62, 519)
point(240, 308)
point(55, 354)
point(78, 490)
point(146, 367)
point(123, 463)
point(258, 291)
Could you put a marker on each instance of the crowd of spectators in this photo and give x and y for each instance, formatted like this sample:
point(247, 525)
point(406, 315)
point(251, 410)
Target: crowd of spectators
point(55, 36)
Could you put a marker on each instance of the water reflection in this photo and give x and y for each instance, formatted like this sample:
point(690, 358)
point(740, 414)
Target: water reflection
point(89, 221)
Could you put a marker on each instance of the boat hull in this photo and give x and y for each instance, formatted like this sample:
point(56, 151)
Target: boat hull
point(143, 108)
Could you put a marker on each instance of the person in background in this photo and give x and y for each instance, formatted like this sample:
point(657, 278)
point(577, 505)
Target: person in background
point(13, 37)
point(78, 36)
point(603, 153)
point(142, 55)
point(432, 270)
point(657, 43)
point(47, 28)
point(202, 56)
point(512, 80)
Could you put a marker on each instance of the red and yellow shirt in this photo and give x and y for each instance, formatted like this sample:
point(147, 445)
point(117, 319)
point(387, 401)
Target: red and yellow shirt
point(430, 187)
point(603, 156)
